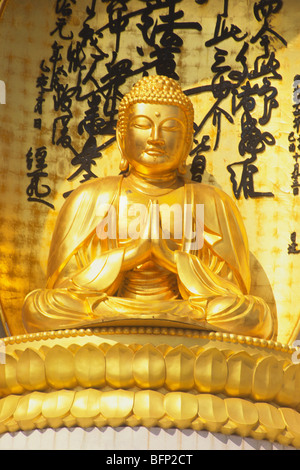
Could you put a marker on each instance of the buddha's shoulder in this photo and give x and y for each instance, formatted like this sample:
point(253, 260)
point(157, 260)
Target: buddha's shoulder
point(92, 193)
point(204, 192)
point(107, 185)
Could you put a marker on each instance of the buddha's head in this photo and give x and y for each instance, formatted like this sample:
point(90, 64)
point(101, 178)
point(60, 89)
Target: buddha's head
point(155, 127)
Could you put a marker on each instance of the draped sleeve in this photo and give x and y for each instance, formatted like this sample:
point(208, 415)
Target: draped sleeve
point(224, 236)
point(77, 223)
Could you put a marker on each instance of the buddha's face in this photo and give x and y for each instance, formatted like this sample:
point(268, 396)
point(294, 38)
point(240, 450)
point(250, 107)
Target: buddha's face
point(155, 141)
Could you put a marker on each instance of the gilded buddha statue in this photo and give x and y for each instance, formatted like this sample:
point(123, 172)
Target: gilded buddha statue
point(192, 272)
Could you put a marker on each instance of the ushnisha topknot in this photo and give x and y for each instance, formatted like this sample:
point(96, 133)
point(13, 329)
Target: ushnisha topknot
point(155, 89)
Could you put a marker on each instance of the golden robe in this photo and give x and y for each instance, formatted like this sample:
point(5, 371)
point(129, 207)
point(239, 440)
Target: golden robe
point(209, 288)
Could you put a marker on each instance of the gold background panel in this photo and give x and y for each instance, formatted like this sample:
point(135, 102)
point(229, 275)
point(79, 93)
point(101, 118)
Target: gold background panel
point(27, 35)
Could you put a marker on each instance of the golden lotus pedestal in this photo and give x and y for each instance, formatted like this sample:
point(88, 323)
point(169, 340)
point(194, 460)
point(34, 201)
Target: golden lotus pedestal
point(151, 377)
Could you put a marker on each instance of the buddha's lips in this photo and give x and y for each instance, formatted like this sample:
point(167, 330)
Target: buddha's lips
point(154, 151)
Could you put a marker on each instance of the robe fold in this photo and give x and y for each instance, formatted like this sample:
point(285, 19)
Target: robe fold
point(200, 283)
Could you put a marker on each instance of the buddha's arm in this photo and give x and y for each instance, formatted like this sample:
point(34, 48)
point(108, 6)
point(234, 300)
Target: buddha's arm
point(200, 279)
point(203, 280)
point(99, 274)
point(211, 283)
point(226, 306)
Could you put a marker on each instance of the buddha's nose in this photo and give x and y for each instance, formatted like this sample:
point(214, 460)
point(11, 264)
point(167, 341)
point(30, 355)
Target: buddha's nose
point(155, 138)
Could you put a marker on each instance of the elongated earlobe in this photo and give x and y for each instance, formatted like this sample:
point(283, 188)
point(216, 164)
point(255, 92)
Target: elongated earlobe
point(124, 165)
point(182, 167)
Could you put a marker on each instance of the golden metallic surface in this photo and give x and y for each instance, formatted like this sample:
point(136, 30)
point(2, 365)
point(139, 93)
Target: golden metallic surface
point(243, 414)
point(148, 407)
point(150, 331)
point(31, 370)
point(148, 367)
point(116, 407)
point(86, 406)
point(59, 367)
point(29, 410)
point(185, 379)
point(210, 371)
point(181, 408)
point(267, 379)
point(211, 412)
point(8, 376)
point(269, 223)
point(148, 278)
point(119, 372)
point(291, 383)
point(170, 361)
point(92, 407)
point(180, 364)
point(56, 405)
point(272, 422)
point(90, 366)
point(240, 370)
point(3, 4)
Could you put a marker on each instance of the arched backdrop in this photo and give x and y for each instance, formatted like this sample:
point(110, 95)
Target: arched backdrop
point(64, 66)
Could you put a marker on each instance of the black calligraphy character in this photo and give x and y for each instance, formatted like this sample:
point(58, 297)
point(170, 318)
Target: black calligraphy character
point(222, 88)
point(86, 159)
point(291, 137)
point(248, 102)
point(296, 157)
point(199, 161)
point(263, 10)
point(92, 123)
point(222, 32)
point(253, 142)
point(292, 248)
point(270, 102)
point(198, 167)
point(63, 7)
point(37, 123)
point(41, 83)
point(266, 63)
point(292, 140)
point(76, 56)
point(60, 24)
point(87, 59)
point(60, 126)
point(57, 70)
point(296, 121)
point(29, 159)
point(295, 179)
point(117, 23)
point(170, 43)
point(246, 180)
point(117, 74)
point(292, 148)
point(35, 192)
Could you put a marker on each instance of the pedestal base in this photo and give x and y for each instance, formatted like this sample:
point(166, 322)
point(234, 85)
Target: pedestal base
point(126, 439)
point(196, 381)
